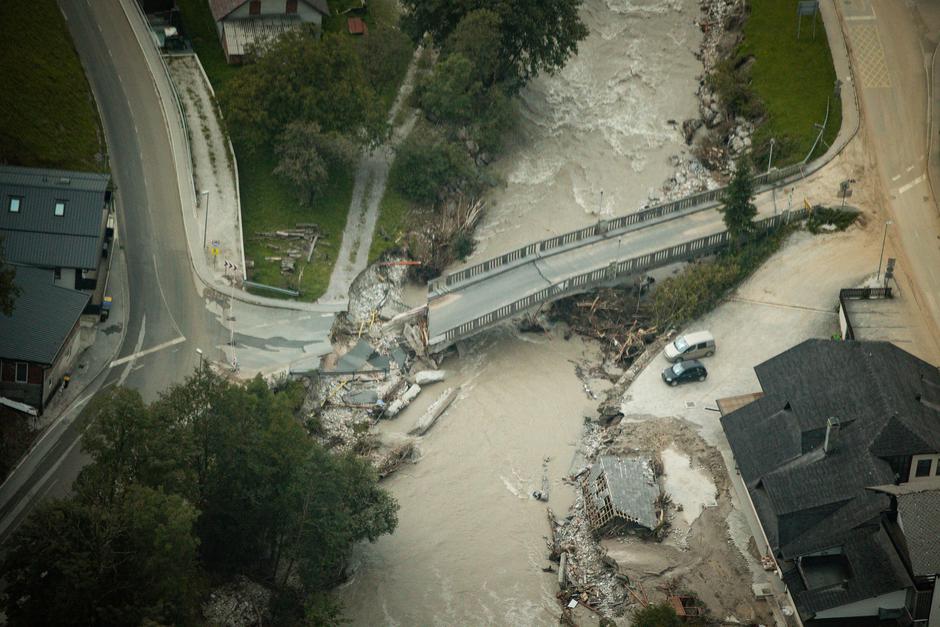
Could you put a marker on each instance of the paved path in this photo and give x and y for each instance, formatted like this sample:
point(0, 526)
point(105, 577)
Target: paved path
point(368, 190)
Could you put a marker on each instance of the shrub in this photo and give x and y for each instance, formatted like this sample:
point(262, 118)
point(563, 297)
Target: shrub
point(427, 166)
point(659, 615)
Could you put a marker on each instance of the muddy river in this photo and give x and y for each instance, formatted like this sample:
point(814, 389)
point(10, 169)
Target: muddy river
point(470, 542)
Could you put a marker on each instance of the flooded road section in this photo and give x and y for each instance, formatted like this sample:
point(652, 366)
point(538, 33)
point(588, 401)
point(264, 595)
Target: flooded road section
point(469, 546)
point(595, 139)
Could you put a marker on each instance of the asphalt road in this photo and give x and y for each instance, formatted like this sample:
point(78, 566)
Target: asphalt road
point(892, 46)
point(165, 304)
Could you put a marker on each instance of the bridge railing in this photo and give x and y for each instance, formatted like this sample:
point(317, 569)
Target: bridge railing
point(588, 280)
point(441, 285)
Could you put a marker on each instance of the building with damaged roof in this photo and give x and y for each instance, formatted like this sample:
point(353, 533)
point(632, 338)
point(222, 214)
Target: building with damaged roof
point(621, 490)
point(832, 455)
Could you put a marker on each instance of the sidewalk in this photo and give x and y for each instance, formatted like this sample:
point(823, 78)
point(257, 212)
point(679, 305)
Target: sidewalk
point(104, 341)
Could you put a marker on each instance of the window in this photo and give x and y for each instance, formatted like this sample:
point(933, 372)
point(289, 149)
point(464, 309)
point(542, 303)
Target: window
point(291, 7)
point(22, 371)
point(254, 8)
point(57, 273)
point(923, 468)
point(60, 208)
point(15, 204)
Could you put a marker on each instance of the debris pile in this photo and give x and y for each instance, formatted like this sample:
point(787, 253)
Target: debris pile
point(605, 316)
point(292, 247)
point(241, 603)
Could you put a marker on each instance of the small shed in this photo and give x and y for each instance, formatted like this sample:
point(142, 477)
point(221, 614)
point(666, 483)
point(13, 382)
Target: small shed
point(621, 490)
point(357, 26)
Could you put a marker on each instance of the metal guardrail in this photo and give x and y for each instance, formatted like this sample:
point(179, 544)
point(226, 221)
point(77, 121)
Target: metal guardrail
point(439, 286)
point(271, 288)
point(588, 280)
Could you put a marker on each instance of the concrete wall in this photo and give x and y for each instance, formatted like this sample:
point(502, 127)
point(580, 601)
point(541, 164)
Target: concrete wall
point(66, 278)
point(63, 364)
point(866, 607)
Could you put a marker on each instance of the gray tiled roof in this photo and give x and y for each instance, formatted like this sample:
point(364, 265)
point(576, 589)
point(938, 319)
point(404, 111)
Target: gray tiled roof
point(809, 500)
point(35, 235)
point(920, 516)
point(43, 316)
point(221, 8)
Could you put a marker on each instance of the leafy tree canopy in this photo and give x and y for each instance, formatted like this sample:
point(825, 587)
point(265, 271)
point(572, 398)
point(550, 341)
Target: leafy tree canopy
point(657, 615)
point(298, 78)
point(534, 35)
point(306, 154)
point(427, 165)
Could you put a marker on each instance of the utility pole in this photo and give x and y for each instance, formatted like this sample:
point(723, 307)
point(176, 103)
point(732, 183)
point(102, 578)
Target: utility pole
point(199, 352)
point(770, 158)
point(205, 228)
point(882, 253)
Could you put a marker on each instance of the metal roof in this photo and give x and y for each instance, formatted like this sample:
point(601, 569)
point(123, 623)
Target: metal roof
point(631, 487)
point(241, 34)
point(43, 317)
point(34, 235)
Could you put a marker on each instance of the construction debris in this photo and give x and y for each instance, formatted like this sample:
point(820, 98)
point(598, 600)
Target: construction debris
point(396, 458)
point(425, 377)
point(402, 401)
point(619, 491)
point(434, 412)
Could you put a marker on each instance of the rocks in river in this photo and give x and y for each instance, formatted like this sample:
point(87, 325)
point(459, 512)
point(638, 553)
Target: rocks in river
point(689, 128)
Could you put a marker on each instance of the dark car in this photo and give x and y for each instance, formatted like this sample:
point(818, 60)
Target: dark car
point(685, 371)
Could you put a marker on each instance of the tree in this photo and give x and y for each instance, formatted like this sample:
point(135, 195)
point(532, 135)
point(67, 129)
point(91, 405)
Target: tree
point(8, 289)
point(385, 54)
point(658, 615)
point(306, 155)
point(425, 165)
point(477, 37)
point(298, 78)
point(738, 208)
point(122, 561)
point(534, 35)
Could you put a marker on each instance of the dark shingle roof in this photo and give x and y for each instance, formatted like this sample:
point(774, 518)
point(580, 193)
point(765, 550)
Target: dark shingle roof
point(809, 500)
point(43, 317)
point(35, 235)
point(919, 514)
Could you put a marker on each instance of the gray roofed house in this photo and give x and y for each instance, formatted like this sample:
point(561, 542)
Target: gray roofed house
point(836, 420)
point(40, 339)
point(56, 219)
point(621, 490)
point(242, 24)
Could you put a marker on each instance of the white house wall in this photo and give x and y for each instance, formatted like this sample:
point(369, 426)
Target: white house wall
point(866, 607)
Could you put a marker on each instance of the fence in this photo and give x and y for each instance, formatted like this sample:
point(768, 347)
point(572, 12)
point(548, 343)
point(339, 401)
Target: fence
point(604, 228)
point(588, 280)
point(857, 293)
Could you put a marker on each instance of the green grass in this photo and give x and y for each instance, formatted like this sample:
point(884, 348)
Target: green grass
point(268, 204)
point(395, 215)
point(49, 118)
point(792, 78)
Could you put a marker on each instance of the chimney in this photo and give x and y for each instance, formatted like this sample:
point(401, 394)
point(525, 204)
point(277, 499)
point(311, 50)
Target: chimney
point(832, 434)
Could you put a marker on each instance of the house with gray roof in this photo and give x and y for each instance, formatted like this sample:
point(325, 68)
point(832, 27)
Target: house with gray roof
point(841, 459)
point(41, 338)
point(242, 24)
point(57, 220)
point(621, 492)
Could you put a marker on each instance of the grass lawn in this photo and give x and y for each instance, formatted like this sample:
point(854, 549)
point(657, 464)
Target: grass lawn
point(395, 215)
point(268, 203)
point(49, 116)
point(792, 78)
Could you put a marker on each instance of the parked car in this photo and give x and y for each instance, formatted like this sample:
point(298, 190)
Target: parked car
point(690, 346)
point(684, 371)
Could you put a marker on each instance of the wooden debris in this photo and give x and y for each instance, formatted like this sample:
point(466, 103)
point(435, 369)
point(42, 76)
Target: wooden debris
point(396, 458)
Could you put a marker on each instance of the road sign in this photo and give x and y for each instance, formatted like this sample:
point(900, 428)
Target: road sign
point(230, 266)
point(215, 251)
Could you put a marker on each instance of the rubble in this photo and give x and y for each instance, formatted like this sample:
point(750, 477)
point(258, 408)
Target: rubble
point(434, 412)
point(425, 377)
point(241, 603)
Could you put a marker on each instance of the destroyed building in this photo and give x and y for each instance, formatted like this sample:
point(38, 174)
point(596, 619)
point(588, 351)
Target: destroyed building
point(841, 460)
point(621, 491)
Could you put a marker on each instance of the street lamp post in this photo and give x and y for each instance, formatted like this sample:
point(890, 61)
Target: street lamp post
point(205, 228)
point(199, 352)
point(882, 254)
point(770, 157)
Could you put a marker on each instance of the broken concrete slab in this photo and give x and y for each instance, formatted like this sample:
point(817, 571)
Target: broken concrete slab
point(425, 377)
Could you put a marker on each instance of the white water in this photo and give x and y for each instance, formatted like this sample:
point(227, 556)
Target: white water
point(599, 125)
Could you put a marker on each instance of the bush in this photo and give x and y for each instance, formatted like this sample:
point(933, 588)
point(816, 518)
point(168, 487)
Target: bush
point(659, 615)
point(426, 166)
point(840, 218)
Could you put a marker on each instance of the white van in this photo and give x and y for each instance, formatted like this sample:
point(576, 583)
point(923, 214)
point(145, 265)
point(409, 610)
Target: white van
point(691, 346)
